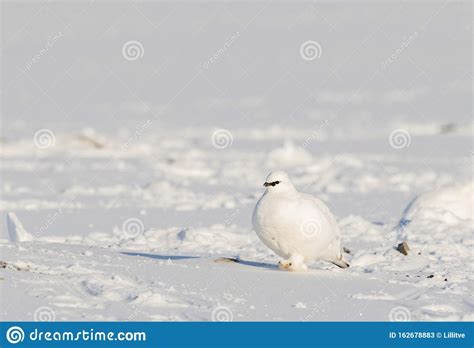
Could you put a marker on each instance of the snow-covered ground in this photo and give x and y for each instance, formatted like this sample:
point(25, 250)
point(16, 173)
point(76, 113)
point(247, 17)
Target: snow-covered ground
point(136, 235)
point(132, 201)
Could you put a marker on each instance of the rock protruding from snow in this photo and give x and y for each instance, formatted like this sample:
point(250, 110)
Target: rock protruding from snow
point(16, 231)
point(403, 248)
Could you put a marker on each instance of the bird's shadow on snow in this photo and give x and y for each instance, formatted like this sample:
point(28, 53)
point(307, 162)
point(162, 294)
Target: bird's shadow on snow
point(181, 257)
point(274, 267)
point(258, 264)
point(160, 257)
point(239, 261)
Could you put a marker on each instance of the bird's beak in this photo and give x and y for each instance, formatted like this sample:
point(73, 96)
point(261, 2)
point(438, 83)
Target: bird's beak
point(266, 184)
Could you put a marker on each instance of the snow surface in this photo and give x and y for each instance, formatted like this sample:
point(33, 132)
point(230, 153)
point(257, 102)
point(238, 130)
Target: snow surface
point(192, 207)
point(129, 211)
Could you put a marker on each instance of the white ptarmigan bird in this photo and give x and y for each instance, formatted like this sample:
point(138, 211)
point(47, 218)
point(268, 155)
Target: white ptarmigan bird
point(296, 226)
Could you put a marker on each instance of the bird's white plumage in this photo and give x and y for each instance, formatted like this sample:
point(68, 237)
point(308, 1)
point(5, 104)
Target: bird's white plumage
point(296, 226)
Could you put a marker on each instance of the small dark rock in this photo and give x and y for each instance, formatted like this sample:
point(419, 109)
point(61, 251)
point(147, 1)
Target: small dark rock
point(430, 276)
point(445, 279)
point(403, 248)
point(182, 235)
point(447, 128)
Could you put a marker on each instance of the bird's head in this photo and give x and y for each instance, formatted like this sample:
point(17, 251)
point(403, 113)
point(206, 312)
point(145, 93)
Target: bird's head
point(279, 182)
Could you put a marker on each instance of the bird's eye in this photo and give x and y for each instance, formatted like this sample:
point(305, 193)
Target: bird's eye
point(273, 183)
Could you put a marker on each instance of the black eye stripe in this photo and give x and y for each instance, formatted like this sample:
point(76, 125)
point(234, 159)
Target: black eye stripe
point(273, 183)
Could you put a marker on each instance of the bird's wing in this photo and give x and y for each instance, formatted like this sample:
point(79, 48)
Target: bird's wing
point(320, 205)
point(317, 202)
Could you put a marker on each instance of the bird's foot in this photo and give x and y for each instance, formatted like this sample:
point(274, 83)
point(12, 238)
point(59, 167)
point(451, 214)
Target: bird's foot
point(293, 264)
point(285, 265)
